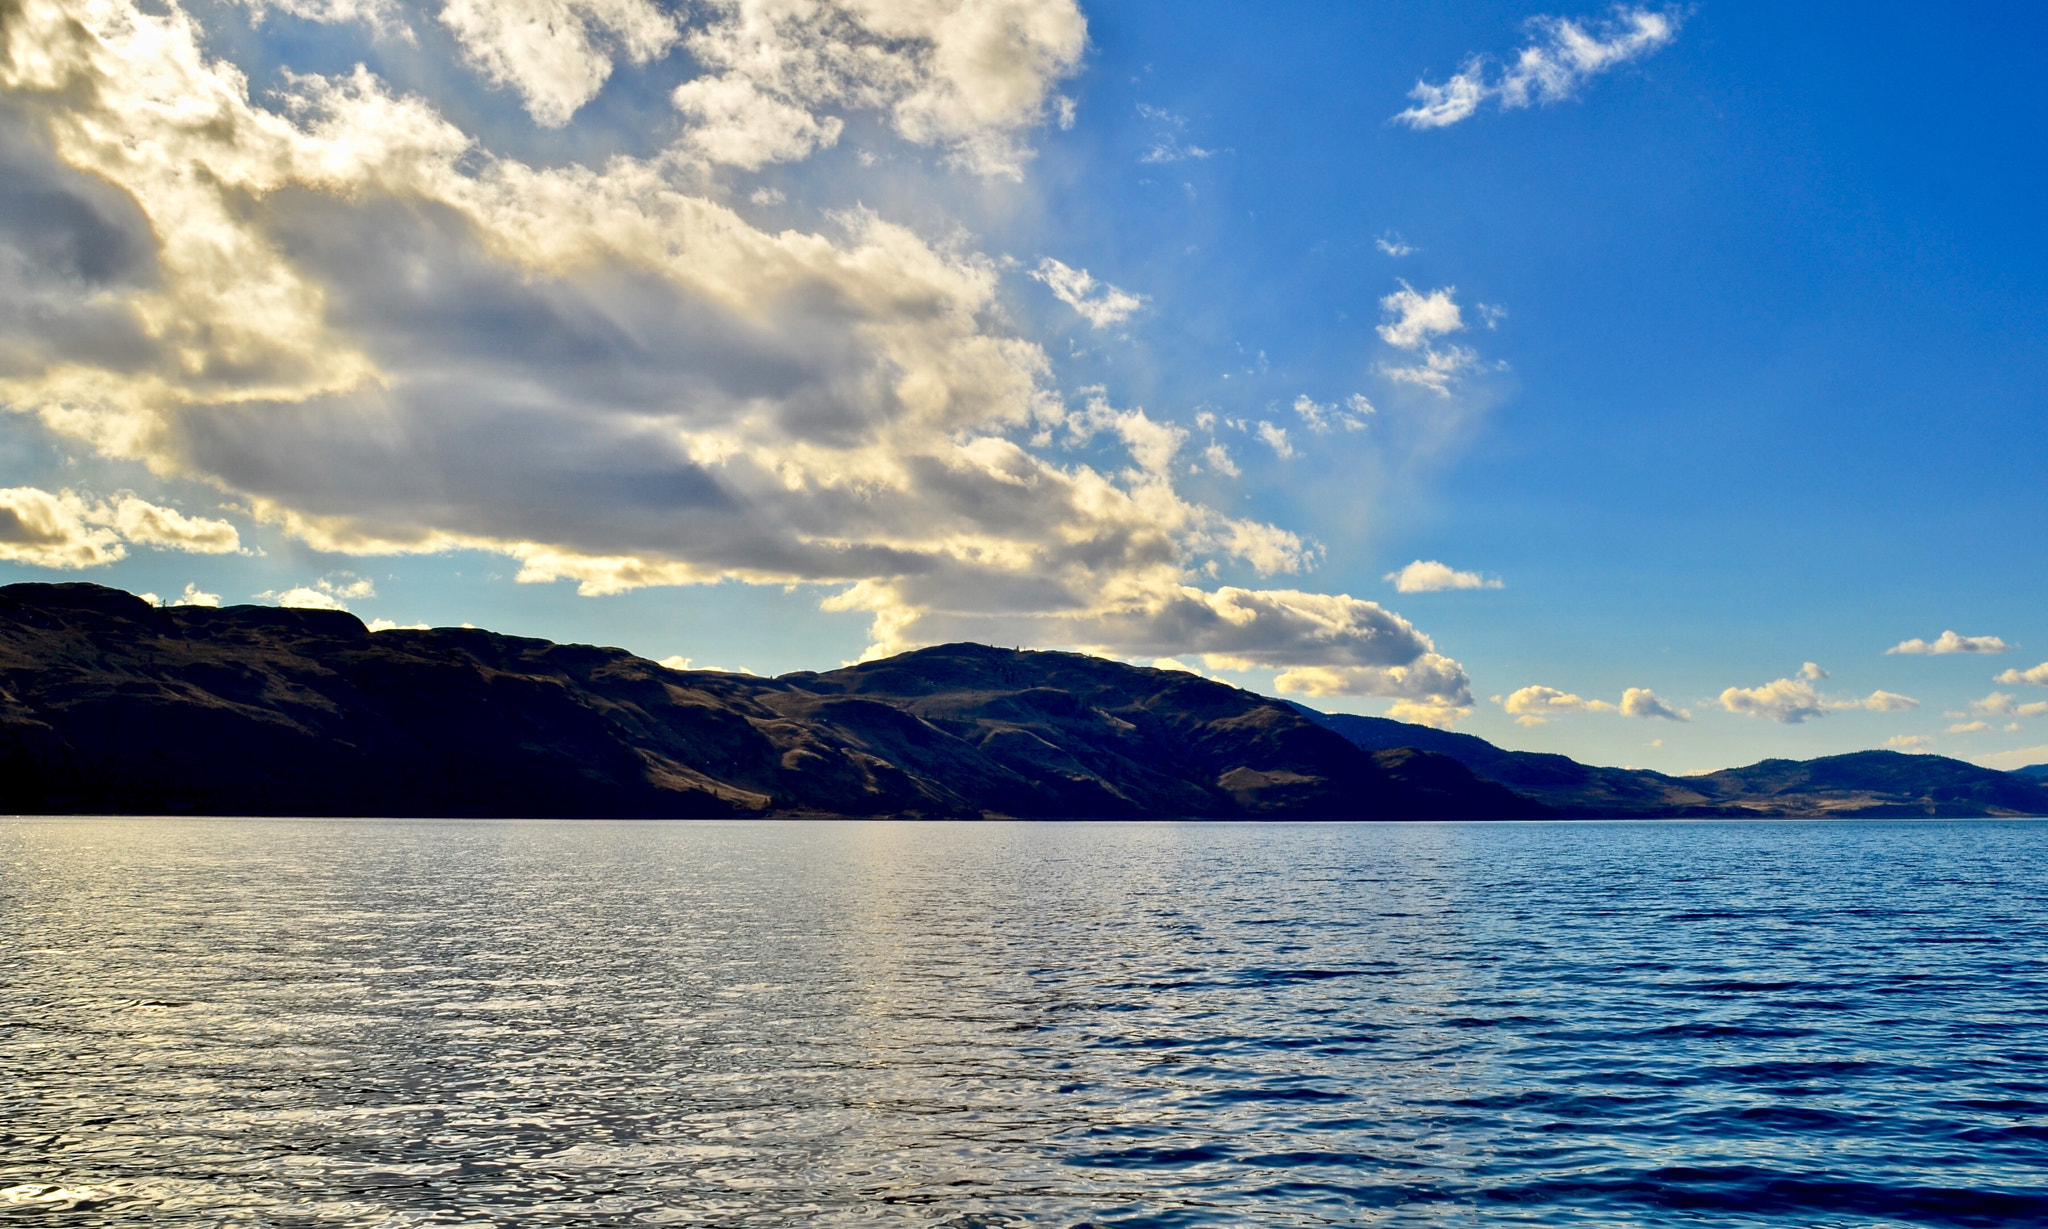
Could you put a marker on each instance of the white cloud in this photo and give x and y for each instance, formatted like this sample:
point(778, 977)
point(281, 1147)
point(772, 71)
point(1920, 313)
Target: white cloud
point(1949, 642)
point(1812, 672)
point(1392, 244)
point(304, 598)
point(1416, 317)
point(1099, 303)
point(1644, 703)
point(1788, 701)
point(969, 76)
point(54, 531)
point(1564, 55)
point(677, 662)
point(2023, 757)
point(1429, 576)
point(1323, 419)
point(195, 596)
point(1999, 704)
point(557, 54)
point(1968, 727)
point(1887, 702)
point(1907, 741)
point(147, 524)
point(1534, 705)
point(65, 530)
point(2037, 676)
point(1276, 438)
point(381, 336)
point(387, 625)
point(1219, 460)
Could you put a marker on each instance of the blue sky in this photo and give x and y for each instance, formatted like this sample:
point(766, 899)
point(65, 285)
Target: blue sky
point(770, 343)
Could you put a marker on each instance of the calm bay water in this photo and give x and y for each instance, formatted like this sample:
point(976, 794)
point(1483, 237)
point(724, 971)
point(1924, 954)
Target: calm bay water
point(368, 1023)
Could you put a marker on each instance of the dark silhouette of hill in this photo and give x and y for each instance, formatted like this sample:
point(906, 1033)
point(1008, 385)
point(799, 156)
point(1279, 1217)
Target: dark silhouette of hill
point(109, 704)
point(1864, 783)
point(2032, 770)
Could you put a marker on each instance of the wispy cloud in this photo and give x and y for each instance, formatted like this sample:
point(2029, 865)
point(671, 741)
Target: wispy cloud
point(1099, 303)
point(1168, 143)
point(1393, 245)
point(1949, 642)
point(1413, 320)
point(1563, 55)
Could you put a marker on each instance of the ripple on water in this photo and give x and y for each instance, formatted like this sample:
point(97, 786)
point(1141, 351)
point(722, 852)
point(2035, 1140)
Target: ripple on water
point(982, 1026)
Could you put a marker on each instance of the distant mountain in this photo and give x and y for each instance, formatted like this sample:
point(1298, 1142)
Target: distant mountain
point(108, 704)
point(2032, 770)
point(1865, 783)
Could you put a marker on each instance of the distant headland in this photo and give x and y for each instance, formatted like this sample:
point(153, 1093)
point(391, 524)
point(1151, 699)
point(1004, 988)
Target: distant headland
point(109, 704)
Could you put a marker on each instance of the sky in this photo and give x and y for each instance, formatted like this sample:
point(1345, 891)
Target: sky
point(1660, 386)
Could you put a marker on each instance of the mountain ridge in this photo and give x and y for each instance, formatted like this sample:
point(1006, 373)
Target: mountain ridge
point(111, 704)
point(108, 703)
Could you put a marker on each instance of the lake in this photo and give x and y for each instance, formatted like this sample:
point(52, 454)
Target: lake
point(372, 1023)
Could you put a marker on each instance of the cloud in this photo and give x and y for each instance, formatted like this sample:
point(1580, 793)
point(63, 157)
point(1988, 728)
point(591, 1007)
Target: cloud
point(54, 531)
point(1999, 704)
point(1564, 55)
point(1949, 642)
point(1788, 701)
point(1099, 303)
point(1888, 702)
point(1415, 317)
point(968, 76)
point(2037, 676)
point(304, 598)
point(1534, 705)
point(64, 530)
point(1392, 244)
point(556, 54)
point(1167, 145)
point(1276, 439)
point(195, 596)
point(1219, 460)
point(1908, 741)
point(326, 593)
point(1323, 419)
point(146, 524)
point(677, 662)
point(1644, 703)
point(1429, 576)
point(2023, 757)
point(1968, 727)
point(382, 335)
point(1413, 320)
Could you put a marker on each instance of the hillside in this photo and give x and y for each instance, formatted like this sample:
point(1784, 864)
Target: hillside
point(108, 704)
point(1864, 783)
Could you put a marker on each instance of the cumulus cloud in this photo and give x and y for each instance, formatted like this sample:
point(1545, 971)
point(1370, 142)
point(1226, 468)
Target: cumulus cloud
point(195, 596)
point(1794, 700)
point(1429, 576)
point(1099, 303)
point(66, 530)
point(1563, 55)
point(1413, 320)
point(1949, 642)
point(2000, 704)
point(2037, 675)
point(557, 54)
point(1275, 437)
point(1789, 701)
point(1534, 705)
point(1644, 703)
point(382, 336)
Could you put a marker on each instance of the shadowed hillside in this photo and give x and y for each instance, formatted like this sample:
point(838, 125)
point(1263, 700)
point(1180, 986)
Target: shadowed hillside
point(110, 704)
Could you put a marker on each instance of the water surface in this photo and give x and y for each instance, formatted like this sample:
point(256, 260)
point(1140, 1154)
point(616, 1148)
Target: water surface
point(533, 1024)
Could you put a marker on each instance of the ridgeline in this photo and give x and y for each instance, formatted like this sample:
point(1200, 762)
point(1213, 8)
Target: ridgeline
point(111, 705)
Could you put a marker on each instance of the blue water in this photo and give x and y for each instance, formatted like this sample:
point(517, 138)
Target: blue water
point(532, 1024)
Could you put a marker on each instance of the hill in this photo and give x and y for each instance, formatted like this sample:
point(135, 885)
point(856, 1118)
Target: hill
point(1862, 784)
point(109, 704)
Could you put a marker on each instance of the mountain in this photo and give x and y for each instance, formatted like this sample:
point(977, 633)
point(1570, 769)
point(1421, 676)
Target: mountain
point(2032, 770)
point(1865, 783)
point(109, 704)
